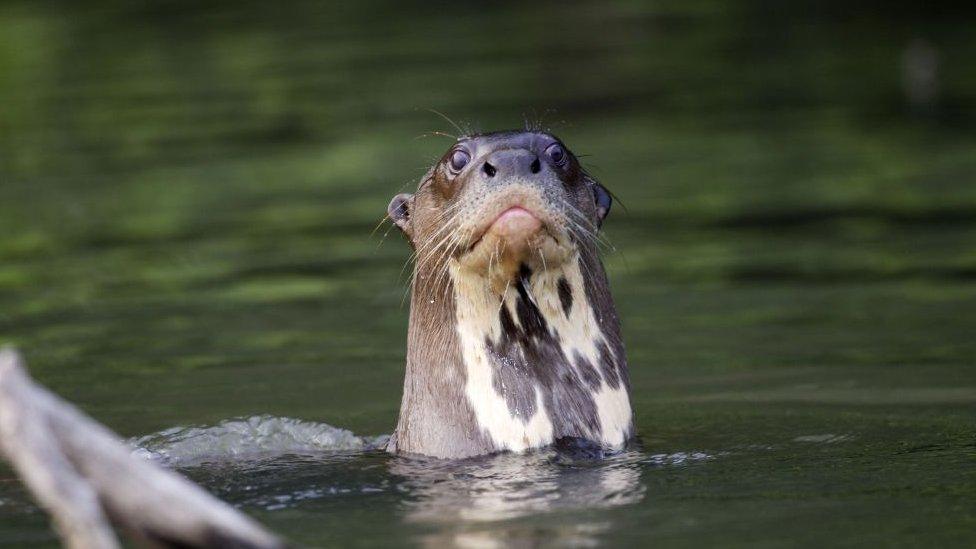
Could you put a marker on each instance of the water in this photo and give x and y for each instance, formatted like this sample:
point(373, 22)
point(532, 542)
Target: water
point(249, 439)
point(280, 465)
point(187, 195)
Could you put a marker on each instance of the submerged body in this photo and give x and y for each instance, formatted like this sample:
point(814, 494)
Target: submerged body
point(514, 341)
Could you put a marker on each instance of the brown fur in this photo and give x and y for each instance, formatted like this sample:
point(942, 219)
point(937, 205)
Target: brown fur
point(436, 417)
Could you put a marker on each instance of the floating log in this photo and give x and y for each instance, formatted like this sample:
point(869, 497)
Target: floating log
point(87, 479)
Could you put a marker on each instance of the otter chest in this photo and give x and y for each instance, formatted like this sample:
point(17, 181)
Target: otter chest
point(538, 367)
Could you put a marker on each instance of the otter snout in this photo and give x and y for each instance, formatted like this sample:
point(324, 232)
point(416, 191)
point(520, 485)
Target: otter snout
point(514, 205)
point(515, 232)
point(506, 163)
point(516, 223)
point(498, 202)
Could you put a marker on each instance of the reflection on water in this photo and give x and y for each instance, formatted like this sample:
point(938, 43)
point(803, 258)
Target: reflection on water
point(276, 464)
point(508, 486)
point(474, 501)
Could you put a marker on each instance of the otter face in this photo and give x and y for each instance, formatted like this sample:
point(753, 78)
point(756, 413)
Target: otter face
point(500, 201)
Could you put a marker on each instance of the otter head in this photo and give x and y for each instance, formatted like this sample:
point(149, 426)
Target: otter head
point(514, 341)
point(498, 203)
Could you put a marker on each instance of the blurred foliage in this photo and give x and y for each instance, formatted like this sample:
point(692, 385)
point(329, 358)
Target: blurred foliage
point(195, 184)
point(187, 192)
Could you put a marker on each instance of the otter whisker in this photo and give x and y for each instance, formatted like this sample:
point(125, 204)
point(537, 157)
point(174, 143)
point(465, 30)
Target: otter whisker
point(406, 291)
point(527, 285)
point(435, 241)
point(419, 255)
point(445, 226)
point(437, 266)
point(450, 244)
point(383, 239)
point(448, 119)
point(443, 261)
point(444, 274)
point(580, 231)
point(595, 234)
point(492, 258)
point(582, 223)
point(378, 225)
point(501, 302)
point(587, 271)
point(436, 133)
point(577, 215)
point(446, 238)
point(385, 235)
point(448, 258)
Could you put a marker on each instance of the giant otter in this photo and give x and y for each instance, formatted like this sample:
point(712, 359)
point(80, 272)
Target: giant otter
point(514, 341)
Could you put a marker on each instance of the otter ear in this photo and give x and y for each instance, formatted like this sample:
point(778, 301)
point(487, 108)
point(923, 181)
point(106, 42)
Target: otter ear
point(399, 210)
point(603, 202)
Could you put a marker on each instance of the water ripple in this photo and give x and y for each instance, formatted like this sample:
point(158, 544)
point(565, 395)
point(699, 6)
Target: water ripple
point(250, 438)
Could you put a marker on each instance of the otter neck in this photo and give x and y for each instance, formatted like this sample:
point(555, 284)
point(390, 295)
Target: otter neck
point(516, 369)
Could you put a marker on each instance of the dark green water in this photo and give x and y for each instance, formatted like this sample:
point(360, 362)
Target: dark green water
point(187, 195)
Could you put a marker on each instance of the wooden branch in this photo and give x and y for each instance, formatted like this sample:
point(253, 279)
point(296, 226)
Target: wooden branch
point(87, 478)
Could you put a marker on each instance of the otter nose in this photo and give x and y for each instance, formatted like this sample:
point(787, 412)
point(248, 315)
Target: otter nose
point(511, 162)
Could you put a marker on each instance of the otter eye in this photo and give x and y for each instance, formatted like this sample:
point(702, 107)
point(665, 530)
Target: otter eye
point(557, 154)
point(459, 159)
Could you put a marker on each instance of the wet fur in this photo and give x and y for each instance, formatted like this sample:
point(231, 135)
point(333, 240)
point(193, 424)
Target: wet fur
point(510, 365)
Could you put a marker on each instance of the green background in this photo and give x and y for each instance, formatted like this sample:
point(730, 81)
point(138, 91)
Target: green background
point(188, 191)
